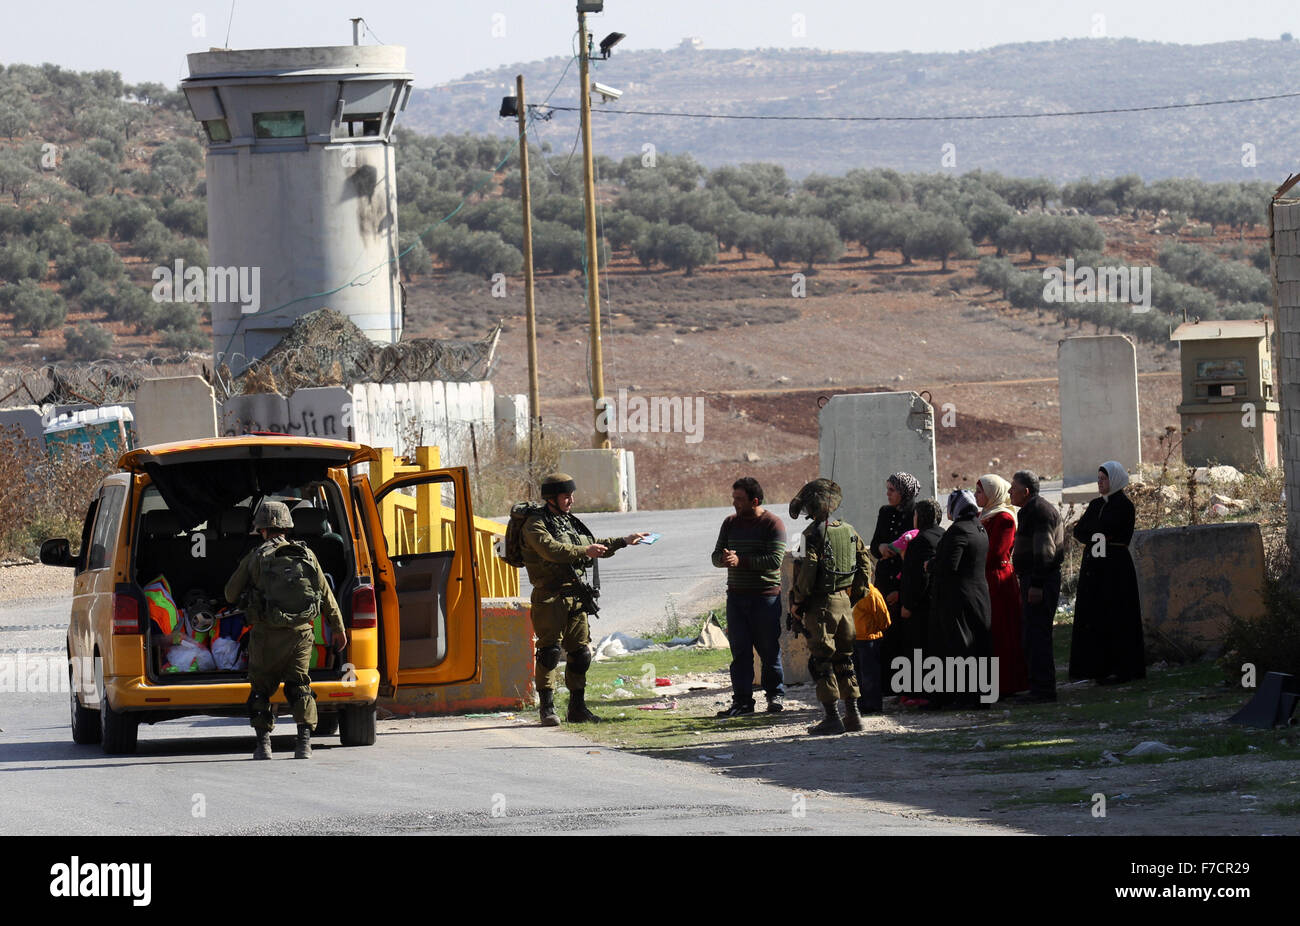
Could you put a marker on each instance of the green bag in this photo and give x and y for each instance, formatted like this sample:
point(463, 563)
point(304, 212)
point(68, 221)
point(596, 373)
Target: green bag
point(291, 595)
point(838, 560)
point(512, 551)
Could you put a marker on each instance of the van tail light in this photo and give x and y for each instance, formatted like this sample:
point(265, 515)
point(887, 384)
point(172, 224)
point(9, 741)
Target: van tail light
point(364, 611)
point(126, 613)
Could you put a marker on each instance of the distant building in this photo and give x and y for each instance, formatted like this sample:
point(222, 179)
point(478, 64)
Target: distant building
point(691, 43)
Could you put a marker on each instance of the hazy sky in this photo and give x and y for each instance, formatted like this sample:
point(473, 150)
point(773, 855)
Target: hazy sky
point(148, 39)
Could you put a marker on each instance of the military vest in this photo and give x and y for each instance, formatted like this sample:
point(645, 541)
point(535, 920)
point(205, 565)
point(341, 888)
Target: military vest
point(837, 560)
point(565, 529)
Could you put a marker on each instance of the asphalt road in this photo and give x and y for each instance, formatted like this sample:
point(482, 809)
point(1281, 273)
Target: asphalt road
point(475, 775)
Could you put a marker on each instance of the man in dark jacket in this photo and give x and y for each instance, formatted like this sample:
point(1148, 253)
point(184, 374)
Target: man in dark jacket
point(1036, 557)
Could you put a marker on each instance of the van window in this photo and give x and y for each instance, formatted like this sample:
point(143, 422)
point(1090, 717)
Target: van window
point(110, 516)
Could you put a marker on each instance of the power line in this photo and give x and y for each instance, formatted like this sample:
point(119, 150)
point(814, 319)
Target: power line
point(949, 118)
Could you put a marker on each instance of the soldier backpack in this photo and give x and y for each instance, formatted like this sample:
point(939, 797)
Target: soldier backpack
point(512, 550)
point(291, 594)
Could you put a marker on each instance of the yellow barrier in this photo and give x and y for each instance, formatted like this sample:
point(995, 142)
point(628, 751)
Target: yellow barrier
point(423, 524)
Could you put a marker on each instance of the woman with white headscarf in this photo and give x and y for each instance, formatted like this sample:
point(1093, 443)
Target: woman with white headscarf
point(993, 495)
point(1106, 644)
point(959, 611)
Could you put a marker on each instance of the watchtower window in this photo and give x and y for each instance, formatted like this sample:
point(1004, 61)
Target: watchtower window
point(286, 124)
point(217, 130)
point(358, 125)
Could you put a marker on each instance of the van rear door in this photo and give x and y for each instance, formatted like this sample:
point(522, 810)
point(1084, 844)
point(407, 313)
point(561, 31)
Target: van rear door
point(419, 528)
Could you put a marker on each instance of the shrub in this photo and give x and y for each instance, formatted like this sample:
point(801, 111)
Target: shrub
point(87, 341)
point(36, 309)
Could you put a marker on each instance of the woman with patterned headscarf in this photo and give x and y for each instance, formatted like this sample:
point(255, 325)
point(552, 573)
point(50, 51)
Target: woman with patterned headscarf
point(993, 495)
point(892, 521)
point(1106, 644)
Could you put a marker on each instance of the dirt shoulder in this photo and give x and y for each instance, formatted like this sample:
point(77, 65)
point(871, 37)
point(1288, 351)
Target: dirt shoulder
point(1030, 768)
point(34, 581)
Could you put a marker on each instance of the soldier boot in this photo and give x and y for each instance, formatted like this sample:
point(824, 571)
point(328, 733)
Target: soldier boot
point(263, 748)
point(547, 708)
point(302, 745)
point(852, 722)
point(578, 712)
point(831, 724)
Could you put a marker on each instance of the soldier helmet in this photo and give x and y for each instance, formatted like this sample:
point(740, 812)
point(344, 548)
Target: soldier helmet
point(274, 515)
point(816, 500)
point(557, 484)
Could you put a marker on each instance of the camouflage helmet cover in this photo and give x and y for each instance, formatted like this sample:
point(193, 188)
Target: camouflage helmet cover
point(273, 515)
point(816, 500)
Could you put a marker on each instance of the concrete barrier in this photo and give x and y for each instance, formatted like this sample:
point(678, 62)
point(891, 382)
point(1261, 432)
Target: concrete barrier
point(1191, 580)
point(606, 478)
point(174, 408)
point(506, 682)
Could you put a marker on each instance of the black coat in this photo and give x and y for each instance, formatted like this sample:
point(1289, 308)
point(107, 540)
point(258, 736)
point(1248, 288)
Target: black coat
point(891, 523)
point(914, 591)
point(1107, 635)
point(960, 614)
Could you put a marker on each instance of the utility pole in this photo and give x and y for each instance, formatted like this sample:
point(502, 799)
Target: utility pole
point(534, 393)
point(600, 440)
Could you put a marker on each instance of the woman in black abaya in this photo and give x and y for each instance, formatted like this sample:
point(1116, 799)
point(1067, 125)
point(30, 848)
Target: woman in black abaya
point(1106, 644)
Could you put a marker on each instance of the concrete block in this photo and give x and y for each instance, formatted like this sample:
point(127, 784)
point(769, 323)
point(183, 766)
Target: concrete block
point(1192, 579)
point(602, 478)
point(321, 411)
point(175, 408)
point(511, 422)
point(27, 420)
point(1099, 410)
point(263, 411)
point(863, 439)
point(506, 682)
point(361, 414)
point(1288, 268)
point(794, 648)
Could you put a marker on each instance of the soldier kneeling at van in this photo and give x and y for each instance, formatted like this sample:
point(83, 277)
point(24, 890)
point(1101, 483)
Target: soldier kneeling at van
point(283, 589)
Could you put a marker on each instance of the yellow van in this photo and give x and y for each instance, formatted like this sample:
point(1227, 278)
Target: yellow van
point(169, 529)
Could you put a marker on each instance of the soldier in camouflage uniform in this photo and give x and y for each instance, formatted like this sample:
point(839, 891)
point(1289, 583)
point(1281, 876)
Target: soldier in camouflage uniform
point(834, 573)
point(278, 653)
point(557, 551)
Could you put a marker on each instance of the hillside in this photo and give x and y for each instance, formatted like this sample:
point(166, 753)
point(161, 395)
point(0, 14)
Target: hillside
point(1065, 75)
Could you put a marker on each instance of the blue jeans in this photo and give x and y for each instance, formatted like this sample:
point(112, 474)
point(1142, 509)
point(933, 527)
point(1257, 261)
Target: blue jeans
point(866, 659)
point(754, 623)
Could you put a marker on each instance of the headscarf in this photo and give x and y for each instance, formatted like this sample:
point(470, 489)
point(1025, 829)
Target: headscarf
point(1118, 476)
point(998, 492)
point(928, 514)
point(907, 486)
point(961, 504)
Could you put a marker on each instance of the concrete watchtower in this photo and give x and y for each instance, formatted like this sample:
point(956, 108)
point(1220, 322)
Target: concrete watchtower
point(301, 185)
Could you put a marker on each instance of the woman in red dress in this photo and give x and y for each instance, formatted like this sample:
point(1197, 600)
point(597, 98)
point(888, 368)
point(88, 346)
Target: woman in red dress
point(992, 494)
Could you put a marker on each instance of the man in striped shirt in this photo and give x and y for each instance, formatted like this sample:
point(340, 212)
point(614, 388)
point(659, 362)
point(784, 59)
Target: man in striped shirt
point(750, 547)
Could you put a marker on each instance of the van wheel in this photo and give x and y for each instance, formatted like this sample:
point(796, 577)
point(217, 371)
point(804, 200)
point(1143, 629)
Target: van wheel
point(357, 726)
point(118, 732)
point(327, 724)
point(85, 723)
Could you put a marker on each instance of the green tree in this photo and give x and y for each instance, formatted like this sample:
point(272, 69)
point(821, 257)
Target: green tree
point(20, 260)
point(937, 236)
point(683, 248)
point(36, 309)
point(89, 172)
point(807, 239)
point(87, 341)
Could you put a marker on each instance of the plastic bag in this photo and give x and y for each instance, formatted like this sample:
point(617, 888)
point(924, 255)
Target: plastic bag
point(227, 656)
point(188, 656)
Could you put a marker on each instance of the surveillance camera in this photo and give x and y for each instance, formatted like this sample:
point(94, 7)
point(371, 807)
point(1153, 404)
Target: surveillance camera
point(608, 94)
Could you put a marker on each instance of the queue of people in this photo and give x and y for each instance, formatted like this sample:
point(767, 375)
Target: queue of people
point(987, 586)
